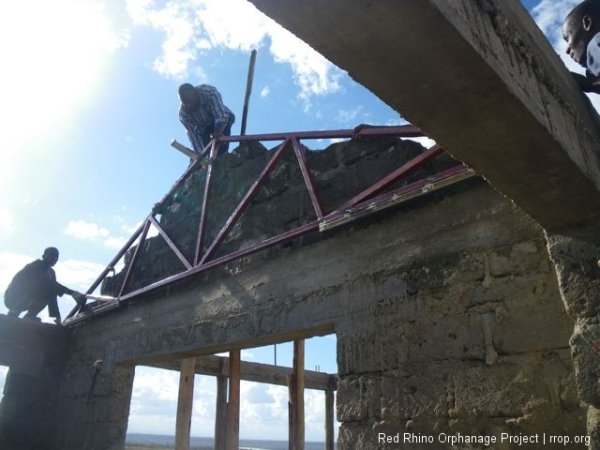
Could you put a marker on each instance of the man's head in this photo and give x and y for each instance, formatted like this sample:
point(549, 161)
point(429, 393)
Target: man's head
point(50, 256)
point(189, 96)
point(579, 27)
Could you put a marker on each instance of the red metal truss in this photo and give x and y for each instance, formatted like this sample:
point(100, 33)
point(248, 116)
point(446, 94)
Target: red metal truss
point(360, 205)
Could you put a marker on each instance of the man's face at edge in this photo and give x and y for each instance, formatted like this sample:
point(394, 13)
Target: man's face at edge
point(577, 39)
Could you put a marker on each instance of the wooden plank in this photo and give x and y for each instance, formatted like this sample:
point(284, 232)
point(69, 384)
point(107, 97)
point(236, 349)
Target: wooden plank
point(329, 419)
point(296, 408)
point(260, 373)
point(233, 410)
point(291, 411)
point(184, 404)
point(221, 413)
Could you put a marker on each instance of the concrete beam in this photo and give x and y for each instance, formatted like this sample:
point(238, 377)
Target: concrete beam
point(479, 78)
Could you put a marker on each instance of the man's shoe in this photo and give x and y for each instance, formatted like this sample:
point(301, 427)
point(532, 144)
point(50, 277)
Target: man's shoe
point(34, 319)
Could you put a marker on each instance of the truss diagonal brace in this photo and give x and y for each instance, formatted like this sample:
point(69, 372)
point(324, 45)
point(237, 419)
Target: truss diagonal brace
point(170, 243)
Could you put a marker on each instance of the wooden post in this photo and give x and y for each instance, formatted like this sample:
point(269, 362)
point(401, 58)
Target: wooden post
point(249, 82)
point(296, 403)
point(233, 410)
point(329, 405)
point(221, 413)
point(184, 404)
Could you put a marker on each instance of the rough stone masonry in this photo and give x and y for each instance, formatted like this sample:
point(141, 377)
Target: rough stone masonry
point(447, 313)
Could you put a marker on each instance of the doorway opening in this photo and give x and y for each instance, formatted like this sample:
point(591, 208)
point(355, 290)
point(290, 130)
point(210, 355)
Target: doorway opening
point(254, 397)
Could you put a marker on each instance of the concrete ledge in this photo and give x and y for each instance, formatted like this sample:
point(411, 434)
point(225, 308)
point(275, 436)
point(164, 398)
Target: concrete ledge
point(480, 79)
point(25, 345)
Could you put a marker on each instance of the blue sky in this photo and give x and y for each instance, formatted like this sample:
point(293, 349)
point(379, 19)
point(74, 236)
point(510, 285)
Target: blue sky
point(88, 110)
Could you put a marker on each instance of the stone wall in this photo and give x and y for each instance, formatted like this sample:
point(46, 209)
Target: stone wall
point(340, 172)
point(576, 257)
point(447, 314)
point(475, 344)
point(36, 354)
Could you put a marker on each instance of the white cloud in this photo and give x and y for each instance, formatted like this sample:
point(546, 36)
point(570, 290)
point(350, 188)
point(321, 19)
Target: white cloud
point(263, 407)
point(195, 25)
point(396, 122)
point(154, 402)
point(77, 274)
point(348, 116)
point(11, 263)
point(245, 355)
point(259, 394)
point(3, 373)
point(265, 92)
point(177, 24)
point(81, 229)
point(115, 242)
point(315, 75)
point(424, 141)
point(549, 16)
point(6, 222)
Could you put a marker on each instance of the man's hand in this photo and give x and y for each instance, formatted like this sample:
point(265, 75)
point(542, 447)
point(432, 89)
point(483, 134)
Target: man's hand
point(79, 297)
point(587, 84)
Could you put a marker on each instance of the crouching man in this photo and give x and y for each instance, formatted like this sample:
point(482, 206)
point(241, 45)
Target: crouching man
point(34, 287)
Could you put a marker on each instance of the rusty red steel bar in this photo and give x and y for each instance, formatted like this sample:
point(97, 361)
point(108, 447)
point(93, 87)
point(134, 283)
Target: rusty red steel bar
point(357, 203)
point(270, 242)
point(205, 204)
point(407, 168)
point(246, 200)
point(110, 266)
point(403, 131)
point(170, 243)
point(414, 186)
point(135, 257)
point(308, 180)
point(295, 233)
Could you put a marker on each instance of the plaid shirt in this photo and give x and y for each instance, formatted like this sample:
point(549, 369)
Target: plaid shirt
point(211, 112)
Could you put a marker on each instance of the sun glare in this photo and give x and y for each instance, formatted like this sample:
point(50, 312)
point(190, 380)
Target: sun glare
point(53, 55)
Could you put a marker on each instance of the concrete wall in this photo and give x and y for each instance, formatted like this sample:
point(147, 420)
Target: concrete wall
point(481, 79)
point(576, 257)
point(35, 353)
point(468, 335)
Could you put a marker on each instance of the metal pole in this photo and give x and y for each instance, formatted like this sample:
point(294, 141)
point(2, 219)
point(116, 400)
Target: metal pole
point(249, 82)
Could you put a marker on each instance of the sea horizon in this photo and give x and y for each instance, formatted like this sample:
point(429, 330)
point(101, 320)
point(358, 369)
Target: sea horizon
point(199, 441)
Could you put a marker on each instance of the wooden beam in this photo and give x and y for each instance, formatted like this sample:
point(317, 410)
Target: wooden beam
point(296, 403)
point(184, 404)
point(260, 373)
point(221, 414)
point(233, 410)
point(329, 419)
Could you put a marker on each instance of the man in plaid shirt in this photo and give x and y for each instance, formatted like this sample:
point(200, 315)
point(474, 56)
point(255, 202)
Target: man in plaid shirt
point(203, 115)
